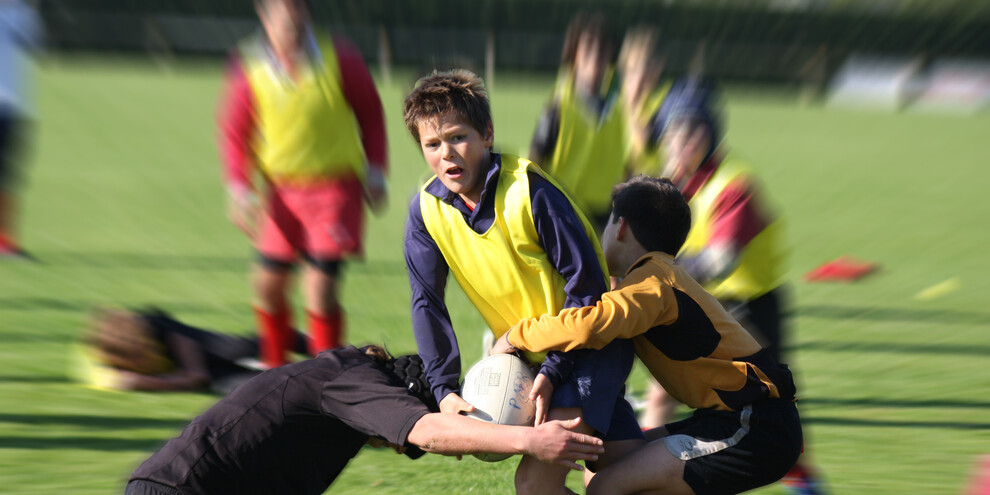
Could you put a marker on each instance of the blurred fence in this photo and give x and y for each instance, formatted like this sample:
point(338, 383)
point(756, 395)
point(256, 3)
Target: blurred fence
point(751, 44)
point(408, 45)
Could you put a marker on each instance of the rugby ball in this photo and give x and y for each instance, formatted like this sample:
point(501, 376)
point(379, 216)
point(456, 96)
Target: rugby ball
point(498, 387)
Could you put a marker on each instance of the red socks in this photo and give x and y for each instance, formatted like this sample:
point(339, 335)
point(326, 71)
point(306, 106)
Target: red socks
point(326, 332)
point(6, 243)
point(276, 335)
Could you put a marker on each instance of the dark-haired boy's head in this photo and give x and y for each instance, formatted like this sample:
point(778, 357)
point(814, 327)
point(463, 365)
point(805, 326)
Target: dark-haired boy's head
point(655, 210)
point(456, 95)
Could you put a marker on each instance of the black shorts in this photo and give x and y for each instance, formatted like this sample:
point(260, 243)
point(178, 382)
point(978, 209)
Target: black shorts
point(731, 452)
point(330, 268)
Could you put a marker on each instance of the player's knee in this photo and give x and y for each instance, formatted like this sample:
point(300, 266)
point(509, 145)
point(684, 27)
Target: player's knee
point(532, 480)
point(608, 485)
point(320, 290)
point(270, 283)
point(525, 483)
point(603, 484)
point(269, 296)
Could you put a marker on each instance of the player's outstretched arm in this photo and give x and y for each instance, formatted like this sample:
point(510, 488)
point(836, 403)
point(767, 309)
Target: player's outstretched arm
point(551, 442)
point(453, 403)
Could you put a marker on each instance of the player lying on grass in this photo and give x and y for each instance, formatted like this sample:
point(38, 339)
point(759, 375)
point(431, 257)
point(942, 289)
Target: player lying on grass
point(745, 431)
point(293, 429)
point(151, 350)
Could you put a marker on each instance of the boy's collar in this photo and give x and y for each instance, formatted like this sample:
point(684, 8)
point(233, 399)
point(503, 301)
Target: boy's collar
point(491, 177)
point(647, 257)
point(309, 46)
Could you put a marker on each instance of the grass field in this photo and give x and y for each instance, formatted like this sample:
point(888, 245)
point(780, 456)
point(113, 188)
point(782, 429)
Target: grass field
point(124, 206)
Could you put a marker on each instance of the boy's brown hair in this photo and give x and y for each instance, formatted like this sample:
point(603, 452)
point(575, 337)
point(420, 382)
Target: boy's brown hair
point(655, 210)
point(457, 92)
point(125, 340)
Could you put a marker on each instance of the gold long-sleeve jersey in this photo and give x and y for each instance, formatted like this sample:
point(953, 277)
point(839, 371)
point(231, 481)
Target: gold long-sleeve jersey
point(695, 349)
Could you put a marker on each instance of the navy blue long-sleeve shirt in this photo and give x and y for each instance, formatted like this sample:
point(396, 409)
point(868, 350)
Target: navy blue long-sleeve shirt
point(560, 232)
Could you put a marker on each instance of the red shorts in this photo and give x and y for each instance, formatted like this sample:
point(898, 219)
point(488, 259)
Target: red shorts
point(323, 221)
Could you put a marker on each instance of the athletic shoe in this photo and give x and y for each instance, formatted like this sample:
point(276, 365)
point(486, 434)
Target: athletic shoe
point(800, 481)
point(15, 254)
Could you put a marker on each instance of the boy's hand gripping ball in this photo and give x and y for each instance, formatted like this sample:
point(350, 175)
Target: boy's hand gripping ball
point(498, 387)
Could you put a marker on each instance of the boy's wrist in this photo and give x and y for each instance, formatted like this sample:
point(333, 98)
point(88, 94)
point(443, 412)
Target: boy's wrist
point(525, 443)
point(441, 393)
point(552, 374)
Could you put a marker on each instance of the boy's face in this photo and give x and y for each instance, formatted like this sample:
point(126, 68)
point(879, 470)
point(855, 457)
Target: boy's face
point(458, 154)
point(684, 146)
point(589, 65)
point(283, 21)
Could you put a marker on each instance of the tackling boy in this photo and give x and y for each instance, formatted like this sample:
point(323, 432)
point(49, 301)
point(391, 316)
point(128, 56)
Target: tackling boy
point(518, 248)
point(293, 429)
point(745, 431)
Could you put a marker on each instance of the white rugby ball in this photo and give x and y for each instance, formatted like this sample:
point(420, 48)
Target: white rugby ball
point(498, 387)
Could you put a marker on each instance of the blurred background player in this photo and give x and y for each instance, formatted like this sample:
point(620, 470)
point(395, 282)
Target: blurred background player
point(295, 428)
point(302, 111)
point(735, 246)
point(151, 350)
point(518, 248)
point(579, 139)
point(21, 32)
point(641, 69)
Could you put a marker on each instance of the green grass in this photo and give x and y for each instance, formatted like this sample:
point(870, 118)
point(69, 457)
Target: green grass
point(124, 206)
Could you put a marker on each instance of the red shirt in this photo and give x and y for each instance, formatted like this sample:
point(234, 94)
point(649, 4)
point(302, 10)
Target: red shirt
point(736, 215)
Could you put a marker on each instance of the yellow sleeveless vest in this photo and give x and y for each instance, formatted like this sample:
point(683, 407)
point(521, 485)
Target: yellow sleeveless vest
point(305, 128)
point(589, 156)
point(760, 267)
point(504, 271)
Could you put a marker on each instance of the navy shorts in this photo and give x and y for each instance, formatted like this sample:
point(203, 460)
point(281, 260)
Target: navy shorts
point(731, 452)
point(597, 386)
